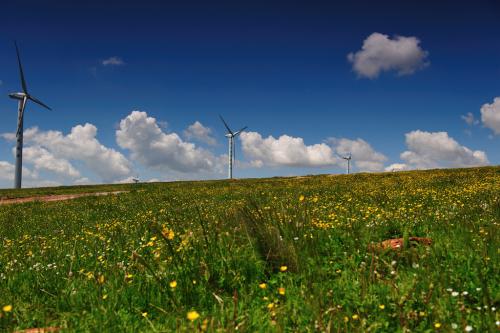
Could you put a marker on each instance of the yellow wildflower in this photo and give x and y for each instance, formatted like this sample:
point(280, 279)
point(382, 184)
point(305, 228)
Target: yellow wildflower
point(144, 314)
point(283, 268)
point(281, 291)
point(262, 285)
point(173, 284)
point(301, 198)
point(168, 233)
point(193, 315)
point(355, 317)
point(381, 306)
point(437, 325)
point(7, 308)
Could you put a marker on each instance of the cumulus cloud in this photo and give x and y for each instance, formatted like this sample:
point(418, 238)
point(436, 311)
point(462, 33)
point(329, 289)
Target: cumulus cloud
point(436, 149)
point(152, 147)
point(52, 151)
point(380, 53)
point(470, 119)
point(285, 151)
point(490, 115)
point(43, 160)
point(201, 133)
point(365, 158)
point(7, 173)
point(113, 61)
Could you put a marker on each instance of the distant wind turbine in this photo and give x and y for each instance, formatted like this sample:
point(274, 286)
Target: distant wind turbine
point(22, 98)
point(231, 135)
point(348, 159)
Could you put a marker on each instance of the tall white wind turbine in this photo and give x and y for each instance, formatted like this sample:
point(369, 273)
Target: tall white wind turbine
point(231, 135)
point(22, 98)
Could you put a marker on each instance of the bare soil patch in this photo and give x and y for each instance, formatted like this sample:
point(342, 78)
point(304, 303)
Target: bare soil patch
point(59, 197)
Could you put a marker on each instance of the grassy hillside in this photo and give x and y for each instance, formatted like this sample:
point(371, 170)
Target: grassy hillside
point(282, 254)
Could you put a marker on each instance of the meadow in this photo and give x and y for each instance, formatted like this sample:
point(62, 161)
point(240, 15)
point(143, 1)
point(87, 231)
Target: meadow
point(292, 254)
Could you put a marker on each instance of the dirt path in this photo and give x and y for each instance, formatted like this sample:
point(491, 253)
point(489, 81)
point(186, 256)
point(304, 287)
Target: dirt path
point(58, 197)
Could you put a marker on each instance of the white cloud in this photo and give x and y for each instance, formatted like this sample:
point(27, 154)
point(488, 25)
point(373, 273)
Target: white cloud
point(43, 160)
point(293, 152)
point(48, 149)
point(9, 136)
point(150, 146)
point(490, 115)
point(397, 167)
point(380, 53)
point(436, 149)
point(127, 180)
point(113, 61)
point(7, 173)
point(201, 133)
point(285, 151)
point(82, 181)
point(365, 158)
point(470, 119)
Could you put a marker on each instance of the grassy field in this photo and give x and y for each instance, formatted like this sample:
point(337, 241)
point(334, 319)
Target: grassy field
point(260, 255)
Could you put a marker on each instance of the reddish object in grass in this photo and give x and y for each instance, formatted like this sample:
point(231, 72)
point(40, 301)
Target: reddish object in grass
point(398, 243)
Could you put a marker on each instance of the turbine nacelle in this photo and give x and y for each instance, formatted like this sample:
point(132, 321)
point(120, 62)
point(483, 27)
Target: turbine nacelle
point(19, 95)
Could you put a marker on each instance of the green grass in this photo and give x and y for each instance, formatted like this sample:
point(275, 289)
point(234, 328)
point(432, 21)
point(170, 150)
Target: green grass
point(106, 264)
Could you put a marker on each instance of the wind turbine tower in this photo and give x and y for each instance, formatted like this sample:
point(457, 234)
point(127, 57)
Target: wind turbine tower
point(231, 135)
point(22, 98)
point(348, 159)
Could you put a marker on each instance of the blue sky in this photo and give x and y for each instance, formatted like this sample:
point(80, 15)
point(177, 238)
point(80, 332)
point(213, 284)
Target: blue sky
point(281, 68)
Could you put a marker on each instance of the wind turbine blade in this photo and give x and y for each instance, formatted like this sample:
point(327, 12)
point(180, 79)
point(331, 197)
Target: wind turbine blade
point(227, 127)
point(23, 82)
point(241, 130)
point(39, 102)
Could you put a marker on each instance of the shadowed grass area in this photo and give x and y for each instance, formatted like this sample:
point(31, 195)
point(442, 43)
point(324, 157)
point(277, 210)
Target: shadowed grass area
point(281, 254)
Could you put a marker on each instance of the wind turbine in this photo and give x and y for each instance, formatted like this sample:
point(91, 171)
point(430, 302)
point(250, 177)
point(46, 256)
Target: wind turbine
point(348, 159)
point(22, 98)
point(231, 135)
